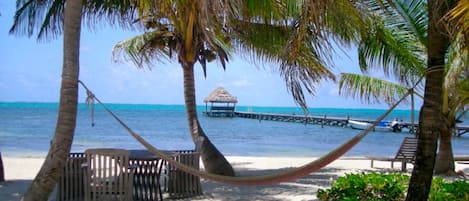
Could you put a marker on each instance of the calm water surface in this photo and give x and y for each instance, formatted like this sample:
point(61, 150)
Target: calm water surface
point(27, 128)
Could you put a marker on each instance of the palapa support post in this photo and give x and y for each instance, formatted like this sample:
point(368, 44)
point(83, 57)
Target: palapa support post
point(2, 172)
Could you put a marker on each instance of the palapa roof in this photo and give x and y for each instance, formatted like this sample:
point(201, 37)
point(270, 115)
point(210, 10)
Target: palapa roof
point(220, 95)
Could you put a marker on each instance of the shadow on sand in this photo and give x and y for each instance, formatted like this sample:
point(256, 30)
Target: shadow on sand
point(13, 190)
point(301, 189)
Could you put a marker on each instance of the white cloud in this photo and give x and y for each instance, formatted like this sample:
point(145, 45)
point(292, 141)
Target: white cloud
point(25, 81)
point(333, 89)
point(241, 83)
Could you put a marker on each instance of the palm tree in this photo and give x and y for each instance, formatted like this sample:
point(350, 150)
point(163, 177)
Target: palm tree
point(44, 182)
point(192, 33)
point(190, 30)
point(430, 123)
point(398, 44)
point(430, 114)
point(53, 16)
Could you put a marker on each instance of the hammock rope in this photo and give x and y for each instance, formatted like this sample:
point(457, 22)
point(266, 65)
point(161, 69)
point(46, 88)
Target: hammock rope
point(270, 179)
point(90, 102)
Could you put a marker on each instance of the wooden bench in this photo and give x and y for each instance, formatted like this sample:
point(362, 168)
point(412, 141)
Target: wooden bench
point(461, 158)
point(405, 154)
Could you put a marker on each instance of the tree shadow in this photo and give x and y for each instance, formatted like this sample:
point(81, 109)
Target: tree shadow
point(13, 190)
point(304, 188)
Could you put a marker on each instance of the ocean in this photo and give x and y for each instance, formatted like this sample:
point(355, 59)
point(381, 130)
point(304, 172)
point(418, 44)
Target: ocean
point(26, 130)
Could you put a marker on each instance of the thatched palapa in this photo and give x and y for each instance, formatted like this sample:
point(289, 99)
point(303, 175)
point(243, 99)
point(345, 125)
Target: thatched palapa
point(226, 103)
point(220, 95)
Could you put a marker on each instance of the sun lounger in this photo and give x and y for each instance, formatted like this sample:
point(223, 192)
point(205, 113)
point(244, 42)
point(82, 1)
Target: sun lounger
point(405, 154)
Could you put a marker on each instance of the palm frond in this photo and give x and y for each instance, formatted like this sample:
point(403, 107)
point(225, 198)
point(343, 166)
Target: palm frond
point(145, 48)
point(44, 16)
point(269, 43)
point(415, 18)
point(458, 19)
point(396, 53)
point(394, 42)
point(120, 13)
point(370, 90)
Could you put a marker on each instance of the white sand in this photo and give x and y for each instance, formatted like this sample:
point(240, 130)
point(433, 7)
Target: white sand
point(20, 171)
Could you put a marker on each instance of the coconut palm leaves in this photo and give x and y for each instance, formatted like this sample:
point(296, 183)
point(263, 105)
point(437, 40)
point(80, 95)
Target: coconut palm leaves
point(459, 23)
point(47, 16)
point(369, 89)
point(397, 39)
point(292, 34)
point(396, 44)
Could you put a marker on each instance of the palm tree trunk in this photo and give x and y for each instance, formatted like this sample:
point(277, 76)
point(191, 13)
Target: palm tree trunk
point(412, 110)
point(214, 161)
point(430, 115)
point(44, 182)
point(445, 160)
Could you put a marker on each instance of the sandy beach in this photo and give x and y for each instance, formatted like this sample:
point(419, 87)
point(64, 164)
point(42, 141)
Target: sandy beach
point(20, 171)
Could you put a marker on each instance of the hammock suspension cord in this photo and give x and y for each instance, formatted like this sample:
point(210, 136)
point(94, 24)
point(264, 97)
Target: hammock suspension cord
point(270, 179)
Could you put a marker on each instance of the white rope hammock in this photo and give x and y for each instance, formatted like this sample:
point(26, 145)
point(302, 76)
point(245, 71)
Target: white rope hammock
point(279, 177)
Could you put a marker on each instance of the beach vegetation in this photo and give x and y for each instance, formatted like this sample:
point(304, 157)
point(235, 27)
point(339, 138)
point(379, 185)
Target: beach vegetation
point(205, 34)
point(389, 186)
point(421, 30)
point(430, 118)
point(302, 63)
point(396, 45)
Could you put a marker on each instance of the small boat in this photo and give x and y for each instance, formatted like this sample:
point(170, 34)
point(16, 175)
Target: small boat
point(382, 126)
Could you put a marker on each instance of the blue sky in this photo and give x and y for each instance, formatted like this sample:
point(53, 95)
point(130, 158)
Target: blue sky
point(30, 71)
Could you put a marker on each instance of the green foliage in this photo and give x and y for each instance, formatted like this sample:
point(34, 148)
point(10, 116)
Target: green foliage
point(373, 186)
point(457, 190)
point(379, 186)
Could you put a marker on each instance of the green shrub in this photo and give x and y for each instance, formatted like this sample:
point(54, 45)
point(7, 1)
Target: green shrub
point(441, 191)
point(379, 186)
point(373, 186)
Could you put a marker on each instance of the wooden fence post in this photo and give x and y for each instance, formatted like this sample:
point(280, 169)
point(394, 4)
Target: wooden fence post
point(2, 173)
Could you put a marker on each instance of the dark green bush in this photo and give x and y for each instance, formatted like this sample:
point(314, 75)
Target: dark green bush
point(373, 186)
point(441, 191)
point(379, 186)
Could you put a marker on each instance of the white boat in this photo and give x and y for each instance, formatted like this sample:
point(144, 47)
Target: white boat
point(382, 126)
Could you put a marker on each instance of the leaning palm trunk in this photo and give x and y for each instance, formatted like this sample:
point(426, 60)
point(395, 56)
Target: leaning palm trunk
point(430, 115)
point(214, 161)
point(44, 182)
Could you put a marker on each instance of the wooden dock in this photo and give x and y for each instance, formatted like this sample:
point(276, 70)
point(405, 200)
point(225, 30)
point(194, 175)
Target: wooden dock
point(327, 120)
point(317, 120)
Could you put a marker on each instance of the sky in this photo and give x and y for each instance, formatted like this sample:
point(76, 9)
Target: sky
point(30, 71)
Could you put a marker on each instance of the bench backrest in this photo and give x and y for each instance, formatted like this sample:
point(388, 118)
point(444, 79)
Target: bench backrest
point(407, 150)
point(71, 184)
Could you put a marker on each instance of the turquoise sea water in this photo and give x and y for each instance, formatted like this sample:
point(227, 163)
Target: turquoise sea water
point(27, 128)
